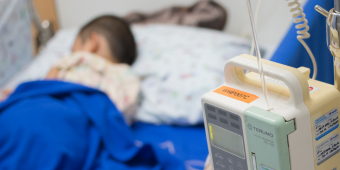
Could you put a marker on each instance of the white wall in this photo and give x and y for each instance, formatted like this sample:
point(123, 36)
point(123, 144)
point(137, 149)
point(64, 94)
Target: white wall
point(274, 18)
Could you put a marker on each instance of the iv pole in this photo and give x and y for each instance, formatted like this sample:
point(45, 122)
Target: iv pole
point(45, 29)
point(333, 37)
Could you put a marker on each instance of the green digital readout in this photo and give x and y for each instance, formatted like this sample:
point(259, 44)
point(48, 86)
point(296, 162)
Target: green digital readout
point(226, 140)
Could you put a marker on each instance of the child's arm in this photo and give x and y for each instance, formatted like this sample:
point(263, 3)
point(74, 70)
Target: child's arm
point(53, 74)
point(5, 93)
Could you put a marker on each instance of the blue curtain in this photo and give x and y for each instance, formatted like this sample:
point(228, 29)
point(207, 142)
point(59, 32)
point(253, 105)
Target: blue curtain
point(291, 52)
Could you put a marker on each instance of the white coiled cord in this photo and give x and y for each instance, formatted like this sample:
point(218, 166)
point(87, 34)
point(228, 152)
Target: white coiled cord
point(302, 34)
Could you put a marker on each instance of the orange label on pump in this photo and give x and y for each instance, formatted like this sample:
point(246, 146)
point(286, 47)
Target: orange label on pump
point(236, 94)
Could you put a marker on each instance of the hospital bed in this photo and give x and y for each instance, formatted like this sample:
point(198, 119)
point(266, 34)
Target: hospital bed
point(176, 139)
point(215, 49)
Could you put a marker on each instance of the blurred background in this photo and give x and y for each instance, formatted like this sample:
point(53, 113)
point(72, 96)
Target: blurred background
point(182, 47)
point(273, 21)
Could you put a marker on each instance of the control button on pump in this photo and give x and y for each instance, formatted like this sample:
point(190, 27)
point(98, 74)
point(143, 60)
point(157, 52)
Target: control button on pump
point(240, 166)
point(212, 116)
point(221, 112)
point(211, 108)
point(218, 155)
point(230, 161)
point(233, 117)
point(235, 125)
point(219, 163)
point(223, 121)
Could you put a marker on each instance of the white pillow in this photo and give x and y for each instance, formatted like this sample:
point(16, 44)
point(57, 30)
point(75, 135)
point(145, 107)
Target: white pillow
point(179, 64)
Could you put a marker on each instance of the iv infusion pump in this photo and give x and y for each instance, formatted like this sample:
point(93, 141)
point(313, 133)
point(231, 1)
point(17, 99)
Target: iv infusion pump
point(300, 132)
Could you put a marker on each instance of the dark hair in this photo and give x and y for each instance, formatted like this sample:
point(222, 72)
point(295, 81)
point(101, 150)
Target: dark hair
point(118, 35)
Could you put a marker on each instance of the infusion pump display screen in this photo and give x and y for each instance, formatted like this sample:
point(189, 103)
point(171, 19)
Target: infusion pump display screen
point(226, 138)
point(219, 136)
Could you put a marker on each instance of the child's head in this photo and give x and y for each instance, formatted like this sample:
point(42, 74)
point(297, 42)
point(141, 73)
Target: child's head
point(109, 37)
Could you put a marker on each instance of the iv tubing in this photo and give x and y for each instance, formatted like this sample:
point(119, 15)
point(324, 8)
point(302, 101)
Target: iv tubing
point(302, 34)
point(258, 54)
point(258, 5)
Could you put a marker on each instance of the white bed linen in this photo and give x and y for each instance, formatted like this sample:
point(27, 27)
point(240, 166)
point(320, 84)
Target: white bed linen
point(177, 65)
point(180, 64)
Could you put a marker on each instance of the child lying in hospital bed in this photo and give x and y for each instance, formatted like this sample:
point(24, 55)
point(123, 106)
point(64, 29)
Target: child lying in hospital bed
point(101, 57)
point(60, 125)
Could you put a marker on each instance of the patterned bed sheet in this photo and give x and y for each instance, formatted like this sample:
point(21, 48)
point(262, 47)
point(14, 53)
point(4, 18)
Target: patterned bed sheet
point(180, 64)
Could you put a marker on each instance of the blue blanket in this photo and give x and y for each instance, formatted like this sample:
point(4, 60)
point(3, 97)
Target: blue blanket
point(58, 125)
point(188, 143)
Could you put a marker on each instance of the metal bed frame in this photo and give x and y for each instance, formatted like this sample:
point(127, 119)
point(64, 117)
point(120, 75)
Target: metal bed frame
point(45, 28)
